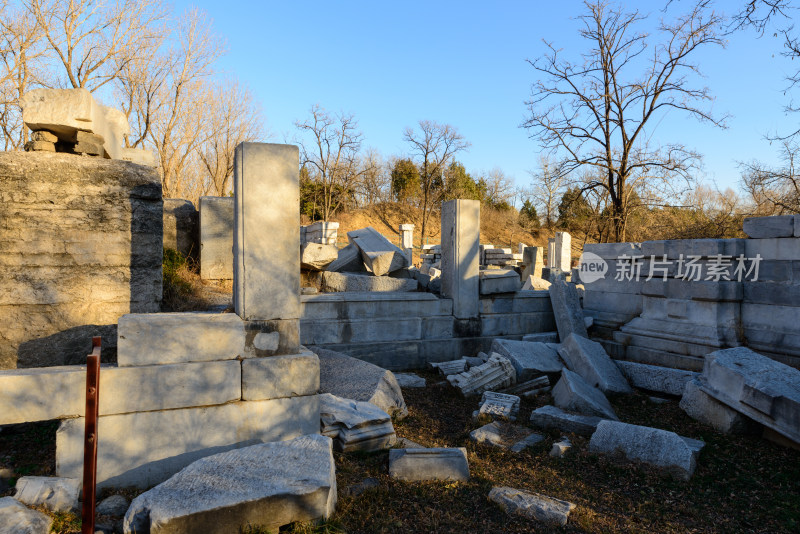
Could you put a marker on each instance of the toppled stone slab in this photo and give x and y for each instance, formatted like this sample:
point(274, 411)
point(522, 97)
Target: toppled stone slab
point(506, 436)
point(763, 389)
point(529, 359)
point(573, 394)
point(704, 408)
point(534, 283)
point(496, 373)
point(355, 379)
point(660, 448)
point(766, 227)
point(590, 360)
point(333, 282)
point(552, 417)
point(499, 281)
point(656, 378)
point(532, 505)
point(379, 254)
point(537, 384)
point(541, 337)
point(348, 260)
point(415, 465)
point(499, 405)
point(566, 308)
point(355, 425)
point(57, 494)
point(316, 257)
point(560, 448)
point(409, 380)
point(452, 367)
point(270, 485)
point(16, 518)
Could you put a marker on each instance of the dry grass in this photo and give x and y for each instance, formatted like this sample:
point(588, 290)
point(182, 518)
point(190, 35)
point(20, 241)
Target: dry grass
point(184, 290)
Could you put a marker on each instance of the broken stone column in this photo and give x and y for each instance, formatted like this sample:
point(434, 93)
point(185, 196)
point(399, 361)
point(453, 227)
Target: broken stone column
point(266, 258)
point(407, 240)
point(461, 220)
point(563, 252)
point(379, 254)
point(535, 506)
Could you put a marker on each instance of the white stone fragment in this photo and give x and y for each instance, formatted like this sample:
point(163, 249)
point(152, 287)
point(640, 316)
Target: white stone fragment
point(505, 436)
point(355, 425)
point(560, 448)
point(590, 360)
point(16, 518)
point(54, 493)
point(409, 380)
point(532, 505)
point(656, 378)
point(316, 257)
point(379, 254)
point(530, 359)
point(415, 465)
point(499, 405)
point(534, 283)
point(566, 308)
point(702, 407)
point(573, 394)
point(451, 367)
point(496, 373)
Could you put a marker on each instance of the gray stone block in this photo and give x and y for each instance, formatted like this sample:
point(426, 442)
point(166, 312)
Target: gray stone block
point(542, 337)
point(340, 282)
point(499, 405)
point(589, 359)
point(656, 378)
point(530, 359)
point(552, 417)
point(270, 485)
point(176, 438)
point(380, 255)
point(496, 373)
point(316, 257)
point(16, 518)
point(573, 394)
point(159, 338)
point(347, 260)
point(534, 506)
point(766, 227)
point(275, 377)
point(409, 380)
point(499, 281)
point(216, 238)
point(460, 223)
point(505, 436)
point(355, 425)
point(567, 309)
point(113, 506)
point(181, 227)
point(266, 256)
point(54, 493)
point(416, 465)
point(660, 448)
point(704, 408)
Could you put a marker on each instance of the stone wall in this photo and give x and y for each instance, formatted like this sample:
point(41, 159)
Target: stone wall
point(80, 245)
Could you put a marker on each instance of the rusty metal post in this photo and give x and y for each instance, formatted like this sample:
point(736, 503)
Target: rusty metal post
point(90, 437)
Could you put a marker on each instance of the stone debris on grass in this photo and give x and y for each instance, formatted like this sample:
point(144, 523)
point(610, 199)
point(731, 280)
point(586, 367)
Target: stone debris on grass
point(656, 378)
point(499, 405)
point(380, 255)
point(416, 465)
point(452, 367)
point(506, 436)
point(590, 360)
point(355, 425)
point(57, 494)
point(535, 506)
point(561, 447)
point(351, 378)
point(573, 394)
point(496, 373)
point(702, 407)
point(529, 359)
point(16, 518)
point(365, 485)
point(667, 450)
point(552, 417)
point(566, 308)
point(269, 484)
point(409, 380)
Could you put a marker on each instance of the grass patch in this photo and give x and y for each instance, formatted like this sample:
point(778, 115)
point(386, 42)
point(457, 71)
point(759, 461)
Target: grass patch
point(184, 290)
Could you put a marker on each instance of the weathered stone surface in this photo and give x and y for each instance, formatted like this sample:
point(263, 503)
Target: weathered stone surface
point(415, 465)
point(54, 493)
point(269, 485)
point(452, 367)
point(496, 373)
point(704, 408)
point(216, 238)
point(355, 379)
point(532, 505)
point(181, 227)
point(44, 135)
point(656, 378)
point(74, 258)
point(505, 435)
point(525, 387)
point(660, 448)
point(275, 377)
point(379, 254)
point(499, 405)
point(566, 308)
point(316, 257)
point(760, 388)
point(347, 260)
point(552, 417)
point(355, 425)
point(338, 282)
point(533, 261)
point(589, 359)
point(147, 339)
point(460, 223)
point(541, 337)
point(529, 359)
point(499, 281)
point(16, 518)
point(563, 252)
point(409, 380)
point(534, 283)
point(176, 438)
point(560, 448)
point(766, 227)
point(40, 146)
point(113, 506)
point(573, 394)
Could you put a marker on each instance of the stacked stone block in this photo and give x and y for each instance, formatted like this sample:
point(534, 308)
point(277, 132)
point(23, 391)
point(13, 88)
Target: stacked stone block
point(431, 257)
point(322, 232)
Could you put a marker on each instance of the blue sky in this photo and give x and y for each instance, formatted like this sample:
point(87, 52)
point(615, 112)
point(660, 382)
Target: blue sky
point(463, 63)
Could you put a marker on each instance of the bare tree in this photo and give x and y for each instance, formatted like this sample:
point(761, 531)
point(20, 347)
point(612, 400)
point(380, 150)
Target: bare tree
point(499, 187)
point(330, 151)
point(594, 113)
point(432, 146)
point(375, 184)
point(774, 190)
point(548, 186)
